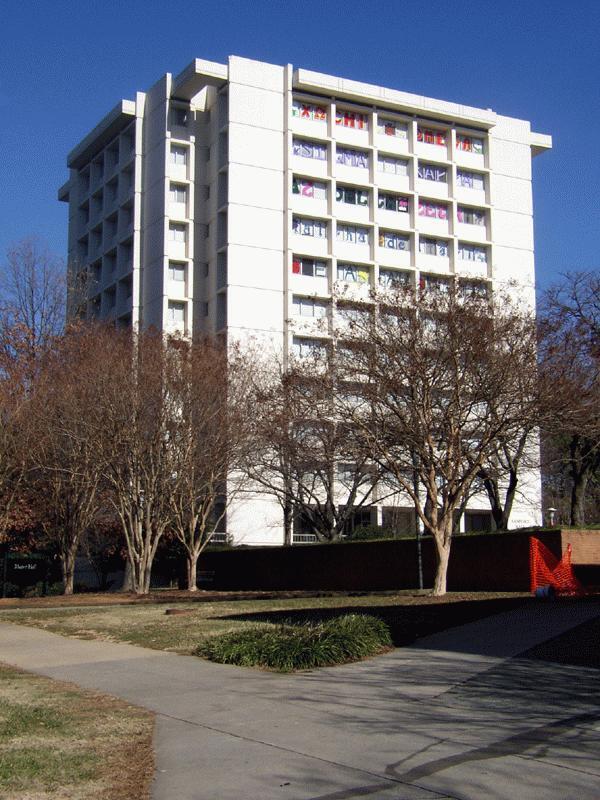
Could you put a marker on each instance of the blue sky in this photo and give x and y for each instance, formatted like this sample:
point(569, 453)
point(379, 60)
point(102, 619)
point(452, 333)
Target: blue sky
point(63, 65)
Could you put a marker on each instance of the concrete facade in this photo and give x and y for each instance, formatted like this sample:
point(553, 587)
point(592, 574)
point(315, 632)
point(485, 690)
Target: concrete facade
point(240, 198)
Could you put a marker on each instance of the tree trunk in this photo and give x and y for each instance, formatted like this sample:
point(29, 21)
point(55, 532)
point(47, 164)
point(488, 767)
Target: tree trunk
point(192, 564)
point(67, 564)
point(443, 556)
point(580, 480)
point(288, 522)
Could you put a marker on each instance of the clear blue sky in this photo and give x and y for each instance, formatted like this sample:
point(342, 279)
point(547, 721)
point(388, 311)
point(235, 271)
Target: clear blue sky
point(63, 65)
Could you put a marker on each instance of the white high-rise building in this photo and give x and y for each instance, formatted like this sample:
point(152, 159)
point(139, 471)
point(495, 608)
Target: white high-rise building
point(240, 197)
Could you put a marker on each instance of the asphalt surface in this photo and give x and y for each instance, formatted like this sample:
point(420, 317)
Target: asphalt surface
point(473, 712)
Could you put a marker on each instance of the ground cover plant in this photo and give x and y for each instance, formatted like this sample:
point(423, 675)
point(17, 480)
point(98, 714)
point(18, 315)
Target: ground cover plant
point(408, 615)
point(58, 741)
point(288, 647)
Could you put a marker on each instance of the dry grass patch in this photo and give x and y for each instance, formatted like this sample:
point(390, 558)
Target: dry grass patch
point(408, 616)
point(59, 742)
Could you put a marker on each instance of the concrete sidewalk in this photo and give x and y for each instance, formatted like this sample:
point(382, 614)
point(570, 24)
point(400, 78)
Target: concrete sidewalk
point(455, 716)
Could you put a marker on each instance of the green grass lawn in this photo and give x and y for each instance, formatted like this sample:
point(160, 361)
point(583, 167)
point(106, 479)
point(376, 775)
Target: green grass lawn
point(58, 741)
point(408, 616)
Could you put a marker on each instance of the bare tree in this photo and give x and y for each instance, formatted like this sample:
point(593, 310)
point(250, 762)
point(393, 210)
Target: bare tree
point(444, 377)
point(571, 363)
point(208, 382)
point(303, 453)
point(65, 458)
point(139, 417)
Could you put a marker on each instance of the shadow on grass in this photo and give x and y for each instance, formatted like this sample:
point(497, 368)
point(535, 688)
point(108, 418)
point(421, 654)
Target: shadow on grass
point(406, 622)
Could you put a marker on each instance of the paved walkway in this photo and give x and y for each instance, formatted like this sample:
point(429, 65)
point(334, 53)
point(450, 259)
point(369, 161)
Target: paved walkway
point(455, 716)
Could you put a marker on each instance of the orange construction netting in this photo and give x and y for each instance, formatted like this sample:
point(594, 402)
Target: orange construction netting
point(546, 569)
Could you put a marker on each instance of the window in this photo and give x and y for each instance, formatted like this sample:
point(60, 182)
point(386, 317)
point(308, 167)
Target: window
point(431, 172)
point(354, 197)
point(469, 144)
point(176, 313)
point(309, 267)
point(307, 188)
point(471, 252)
point(177, 271)
point(390, 278)
point(433, 247)
point(352, 273)
point(179, 116)
point(178, 193)
point(316, 228)
point(302, 110)
point(474, 289)
point(305, 348)
point(178, 155)
point(392, 165)
point(394, 241)
point(431, 136)
point(393, 202)
point(350, 119)
point(391, 127)
point(305, 149)
point(433, 283)
point(177, 233)
point(307, 307)
point(352, 158)
point(435, 210)
point(470, 180)
point(352, 233)
point(470, 216)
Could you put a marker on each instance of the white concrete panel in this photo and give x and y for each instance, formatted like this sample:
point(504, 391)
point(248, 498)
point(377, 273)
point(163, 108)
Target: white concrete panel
point(257, 227)
point(350, 136)
point(386, 256)
point(511, 194)
point(257, 147)
point(255, 309)
point(511, 129)
point(256, 520)
point(510, 158)
point(511, 264)
point(471, 233)
point(255, 267)
point(433, 226)
point(256, 73)
point(253, 186)
point(350, 213)
point(391, 144)
point(257, 107)
point(511, 229)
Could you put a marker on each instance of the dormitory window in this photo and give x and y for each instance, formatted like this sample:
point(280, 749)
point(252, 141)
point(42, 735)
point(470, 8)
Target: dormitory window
point(435, 210)
point(433, 283)
point(395, 166)
point(308, 111)
point(305, 348)
point(471, 252)
point(178, 155)
point(307, 188)
point(352, 158)
point(473, 289)
point(306, 149)
point(390, 278)
point(178, 193)
point(179, 116)
point(393, 241)
point(352, 233)
point(393, 202)
point(354, 197)
point(352, 273)
point(176, 313)
point(430, 136)
point(391, 127)
point(307, 307)
point(316, 228)
point(470, 180)
point(431, 172)
point(470, 216)
point(177, 233)
point(469, 144)
point(177, 272)
point(433, 247)
point(350, 119)
point(309, 267)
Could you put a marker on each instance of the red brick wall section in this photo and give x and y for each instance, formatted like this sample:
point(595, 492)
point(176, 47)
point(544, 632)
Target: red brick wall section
point(585, 544)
